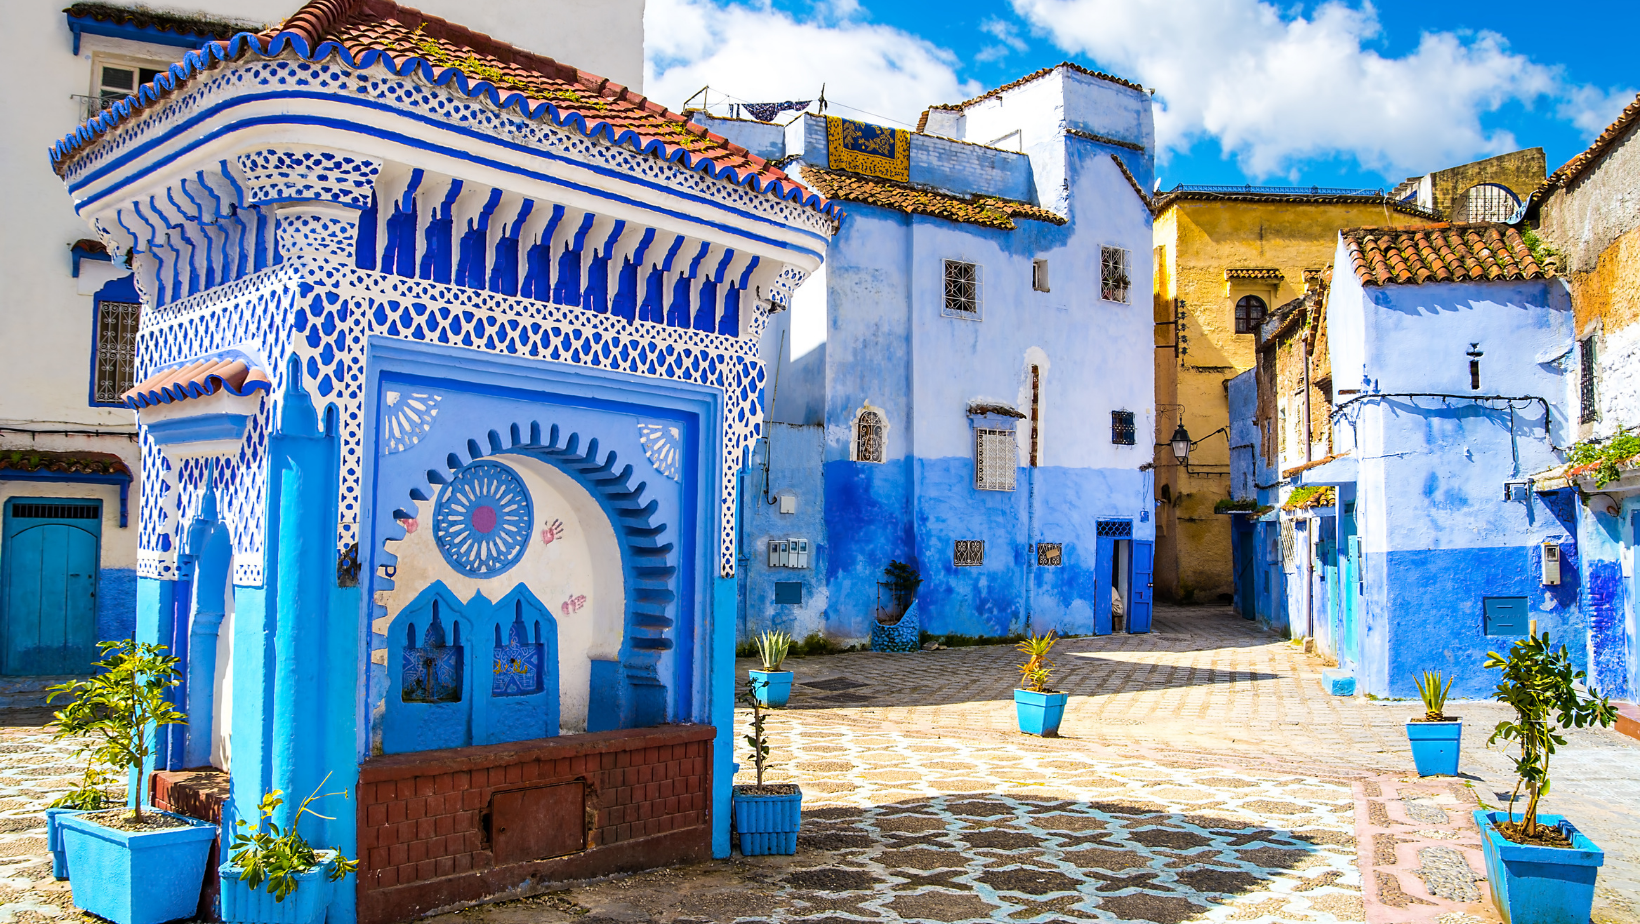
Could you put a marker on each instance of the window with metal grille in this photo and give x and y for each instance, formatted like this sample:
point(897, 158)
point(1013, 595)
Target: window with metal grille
point(996, 460)
point(1050, 554)
point(1250, 311)
point(968, 553)
point(56, 511)
point(1118, 529)
point(1113, 274)
point(868, 437)
point(117, 324)
point(962, 289)
point(1122, 430)
point(1486, 202)
point(115, 82)
point(1588, 407)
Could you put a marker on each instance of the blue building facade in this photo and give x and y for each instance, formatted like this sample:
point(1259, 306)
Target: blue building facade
point(971, 374)
point(447, 388)
point(1448, 384)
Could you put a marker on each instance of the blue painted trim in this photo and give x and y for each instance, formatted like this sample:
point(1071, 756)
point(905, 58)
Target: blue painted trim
point(77, 255)
point(197, 61)
point(123, 481)
point(198, 428)
point(416, 142)
point(152, 35)
point(123, 289)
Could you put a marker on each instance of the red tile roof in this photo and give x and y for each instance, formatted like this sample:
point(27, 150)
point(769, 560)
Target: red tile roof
point(922, 121)
point(1584, 162)
point(197, 380)
point(1441, 253)
point(73, 463)
point(990, 211)
point(368, 32)
point(141, 17)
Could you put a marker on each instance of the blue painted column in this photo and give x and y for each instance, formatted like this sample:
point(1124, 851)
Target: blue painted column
point(302, 538)
point(212, 550)
point(723, 685)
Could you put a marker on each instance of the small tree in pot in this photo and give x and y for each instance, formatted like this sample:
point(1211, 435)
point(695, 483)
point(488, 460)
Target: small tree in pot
point(767, 817)
point(1542, 868)
point(896, 627)
point(284, 860)
point(131, 867)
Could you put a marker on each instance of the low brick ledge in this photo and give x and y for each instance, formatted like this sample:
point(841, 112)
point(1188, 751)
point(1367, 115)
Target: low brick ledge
point(455, 760)
point(1628, 719)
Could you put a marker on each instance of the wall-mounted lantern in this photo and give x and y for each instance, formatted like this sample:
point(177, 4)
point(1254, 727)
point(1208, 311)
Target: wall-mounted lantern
point(1181, 443)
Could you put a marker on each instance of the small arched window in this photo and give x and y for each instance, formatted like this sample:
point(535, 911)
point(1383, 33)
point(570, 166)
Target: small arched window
point(868, 436)
point(1485, 202)
point(1249, 314)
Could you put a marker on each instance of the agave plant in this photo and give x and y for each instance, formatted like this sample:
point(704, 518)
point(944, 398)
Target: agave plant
point(1033, 674)
point(1433, 693)
point(772, 647)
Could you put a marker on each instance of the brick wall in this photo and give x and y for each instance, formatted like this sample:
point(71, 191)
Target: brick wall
point(427, 821)
point(196, 794)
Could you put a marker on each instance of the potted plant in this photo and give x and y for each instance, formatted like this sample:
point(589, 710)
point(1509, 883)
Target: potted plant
point(896, 626)
point(90, 796)
point(1039, 708)
point(129, 866)
point(1434, 737)
point(286, 862)
point(766, 816)
point(776, 686)
point(1542, 868)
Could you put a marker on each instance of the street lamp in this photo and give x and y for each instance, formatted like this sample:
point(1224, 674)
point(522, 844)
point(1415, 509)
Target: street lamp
point(1181, 443)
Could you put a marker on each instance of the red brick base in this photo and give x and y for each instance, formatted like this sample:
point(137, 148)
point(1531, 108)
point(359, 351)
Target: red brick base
point(429, 821)
point(196, 794)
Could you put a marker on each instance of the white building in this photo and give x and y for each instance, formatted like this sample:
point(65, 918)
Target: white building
point(69, 468)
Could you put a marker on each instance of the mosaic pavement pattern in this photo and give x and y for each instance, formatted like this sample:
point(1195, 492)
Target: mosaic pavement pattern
point(910, 828)
point(33, 771)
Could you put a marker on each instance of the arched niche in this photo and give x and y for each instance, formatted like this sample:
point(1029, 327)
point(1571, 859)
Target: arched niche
point(432, 670)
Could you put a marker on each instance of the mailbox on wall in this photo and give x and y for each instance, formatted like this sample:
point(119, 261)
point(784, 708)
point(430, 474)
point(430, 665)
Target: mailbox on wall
point(788, 553)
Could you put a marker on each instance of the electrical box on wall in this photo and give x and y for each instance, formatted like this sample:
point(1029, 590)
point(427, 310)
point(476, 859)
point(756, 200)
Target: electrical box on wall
point(788, 553)
point(1551, 563)
point(788, 502)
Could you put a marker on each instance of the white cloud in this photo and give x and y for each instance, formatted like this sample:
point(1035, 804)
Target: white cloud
point(1007, 39)
point(760, 54)
point(1591, 109)
point(1276, 89)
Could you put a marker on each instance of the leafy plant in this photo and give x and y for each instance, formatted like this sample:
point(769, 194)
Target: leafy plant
point(758, 740)
point(1539, 681)
point(92, 793)
point(903, 581)
point(1603, 456)
point(772, 647)
point(1309, 496)
point(1230, 505)
point(277, 856)
point(1033, 674)
point(1434, 694)
point(119, 704)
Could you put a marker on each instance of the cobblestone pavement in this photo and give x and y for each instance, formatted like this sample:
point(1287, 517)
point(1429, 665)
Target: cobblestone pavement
point(1203, 776)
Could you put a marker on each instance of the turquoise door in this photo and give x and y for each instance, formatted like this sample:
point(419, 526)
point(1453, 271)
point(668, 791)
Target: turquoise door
point(48, 593)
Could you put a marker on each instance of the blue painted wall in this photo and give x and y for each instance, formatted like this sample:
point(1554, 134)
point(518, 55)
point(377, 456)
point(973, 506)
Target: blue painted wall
point(1438, 533)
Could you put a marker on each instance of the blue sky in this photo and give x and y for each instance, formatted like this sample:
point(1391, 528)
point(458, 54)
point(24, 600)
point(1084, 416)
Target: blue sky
point(1346, 93)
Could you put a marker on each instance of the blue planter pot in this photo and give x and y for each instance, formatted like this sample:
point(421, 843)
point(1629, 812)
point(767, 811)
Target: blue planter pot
point(1039, 713)
point(768, 824)
point(1435, 746)
point(905, 635)
point(131, 877)
point(775, 689)
point(242, 904)
point(1540, 885)
point(54, 841)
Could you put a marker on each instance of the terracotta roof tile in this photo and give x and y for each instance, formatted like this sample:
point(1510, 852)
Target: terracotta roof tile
point(367, 32)
point(990, 211)
point(1584, 162)
point(1441, 253)
point(198, 380)
point(78, 463)
point(1037, 75)
point(204, 27)
point(1253, 272)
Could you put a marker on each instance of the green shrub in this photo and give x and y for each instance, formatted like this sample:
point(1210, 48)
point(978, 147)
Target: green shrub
point(1605, 455)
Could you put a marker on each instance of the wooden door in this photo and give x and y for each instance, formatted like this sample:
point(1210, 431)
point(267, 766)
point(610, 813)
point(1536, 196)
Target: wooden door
point(1139, 608)
point(48, 605)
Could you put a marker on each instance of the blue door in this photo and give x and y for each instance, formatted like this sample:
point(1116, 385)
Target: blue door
point(48, 604)
point(1104, 555)
point(1144, 558)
